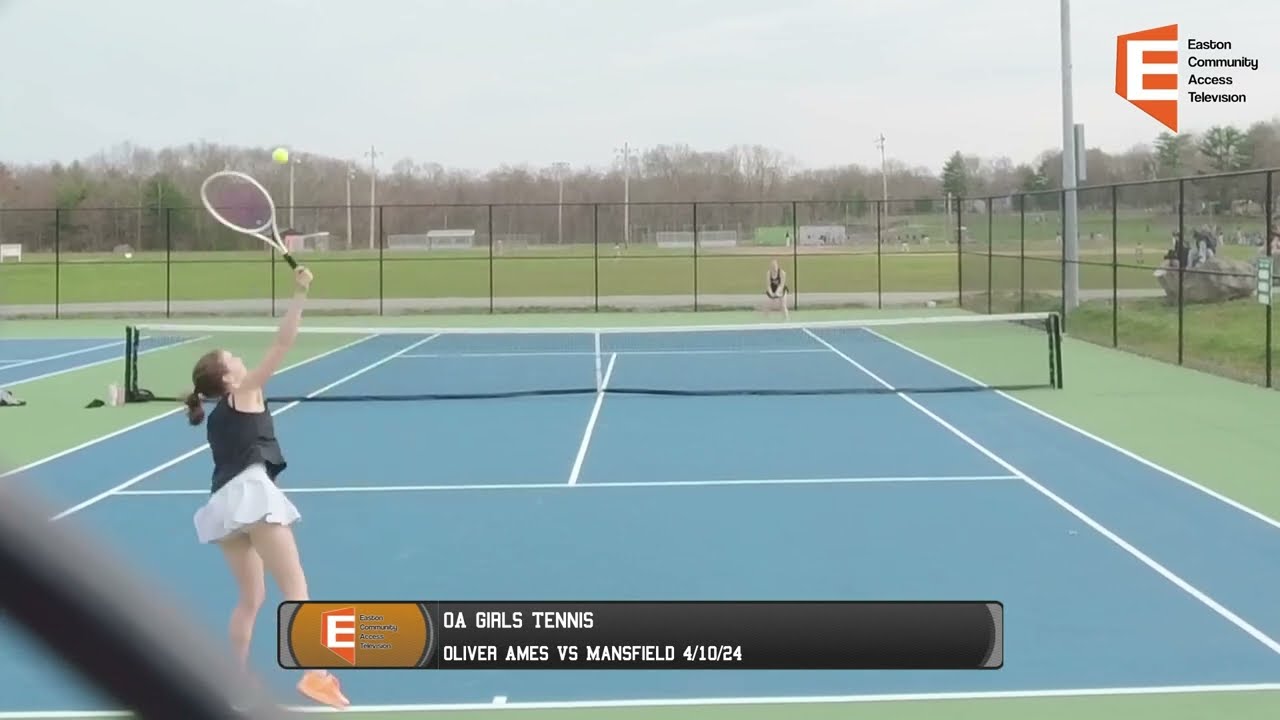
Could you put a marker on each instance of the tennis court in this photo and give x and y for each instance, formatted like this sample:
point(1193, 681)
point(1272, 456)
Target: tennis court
point(814, 461)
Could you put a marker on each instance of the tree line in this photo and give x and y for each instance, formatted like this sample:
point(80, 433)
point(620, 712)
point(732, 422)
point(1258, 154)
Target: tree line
point(131, 192)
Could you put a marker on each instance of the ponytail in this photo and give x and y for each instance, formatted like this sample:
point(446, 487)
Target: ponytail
point(206, 383)
point(195, 408)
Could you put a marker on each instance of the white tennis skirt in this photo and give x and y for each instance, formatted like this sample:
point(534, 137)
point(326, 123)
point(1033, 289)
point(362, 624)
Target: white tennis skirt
point(249, 498)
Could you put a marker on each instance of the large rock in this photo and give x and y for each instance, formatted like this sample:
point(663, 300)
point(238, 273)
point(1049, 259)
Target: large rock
point(1217, 279)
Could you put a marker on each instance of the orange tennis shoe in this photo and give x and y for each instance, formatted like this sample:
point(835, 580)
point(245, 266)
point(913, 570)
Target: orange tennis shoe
point(324, 688)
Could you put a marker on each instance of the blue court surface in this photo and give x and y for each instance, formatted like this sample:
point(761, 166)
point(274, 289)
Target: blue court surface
point(27, 359)
point(969, 495)
point(24, 360)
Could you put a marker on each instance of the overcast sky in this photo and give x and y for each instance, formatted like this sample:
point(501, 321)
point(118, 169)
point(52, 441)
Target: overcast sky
point(479, 83)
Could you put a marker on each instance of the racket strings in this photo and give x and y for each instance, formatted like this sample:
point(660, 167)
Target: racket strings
point(240, 204)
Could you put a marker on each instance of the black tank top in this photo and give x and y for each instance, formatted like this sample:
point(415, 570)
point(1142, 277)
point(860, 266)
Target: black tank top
point(239, 440)
point(775, 279)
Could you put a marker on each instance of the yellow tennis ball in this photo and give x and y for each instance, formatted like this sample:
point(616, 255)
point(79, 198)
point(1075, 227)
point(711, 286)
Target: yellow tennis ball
point(280, 156)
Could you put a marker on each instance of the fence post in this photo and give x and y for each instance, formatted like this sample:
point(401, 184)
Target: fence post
point(57, 263)
point(1062, 242)
point(795, 249)
point(959, 256)
point(489, 221)
point(1183, 257)
point(168, 262)
point(271, 270)
point(382, 270)
point(1268, 208)
point(879, 249)
point(1115, 267)
point(695, 256)
point(795, 256)
point(1022, 252)
point(595, 251)
point(990, 253)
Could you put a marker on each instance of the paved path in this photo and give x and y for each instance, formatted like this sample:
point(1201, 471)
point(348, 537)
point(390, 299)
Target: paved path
point(263, 306)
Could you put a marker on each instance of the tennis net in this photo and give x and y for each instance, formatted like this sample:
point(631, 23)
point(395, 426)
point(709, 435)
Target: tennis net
point(914, 355)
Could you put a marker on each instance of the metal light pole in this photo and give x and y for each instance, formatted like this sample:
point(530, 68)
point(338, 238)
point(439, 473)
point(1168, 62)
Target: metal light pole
point(884, 175)
point(625, 150)
point(1070, 219)
point(351, 175)
point(141, 204)
point(373, 193)
point(560, 169)
point(293, 160)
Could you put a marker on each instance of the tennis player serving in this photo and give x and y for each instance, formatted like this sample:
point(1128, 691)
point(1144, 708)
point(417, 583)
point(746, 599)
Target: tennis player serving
point(775, 289)
point(246, 515)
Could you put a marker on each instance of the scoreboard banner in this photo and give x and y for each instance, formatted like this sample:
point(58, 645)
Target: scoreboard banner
point(642, 635)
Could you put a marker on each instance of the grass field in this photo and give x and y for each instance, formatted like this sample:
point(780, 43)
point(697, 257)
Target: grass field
point(359, 275)
point(1025, 254)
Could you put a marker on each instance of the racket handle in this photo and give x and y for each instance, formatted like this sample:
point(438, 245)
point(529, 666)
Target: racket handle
point(289, 259)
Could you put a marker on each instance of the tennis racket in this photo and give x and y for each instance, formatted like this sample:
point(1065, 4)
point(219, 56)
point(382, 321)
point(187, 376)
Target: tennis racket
point(242, 204)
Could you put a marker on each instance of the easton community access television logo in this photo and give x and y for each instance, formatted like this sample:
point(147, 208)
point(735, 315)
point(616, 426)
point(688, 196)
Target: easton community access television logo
point(338, 633)
point(1147, 72)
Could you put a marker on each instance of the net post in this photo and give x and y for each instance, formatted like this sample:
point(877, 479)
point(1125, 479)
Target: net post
point(1048, 332)
point(129, 348)
point(1057, 349)
point(599, 363)
point(1051, 337)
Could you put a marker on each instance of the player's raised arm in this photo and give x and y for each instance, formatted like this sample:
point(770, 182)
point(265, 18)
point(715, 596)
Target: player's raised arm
point(257, 377)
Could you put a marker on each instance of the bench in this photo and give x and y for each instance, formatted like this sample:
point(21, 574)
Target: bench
point(10, 251)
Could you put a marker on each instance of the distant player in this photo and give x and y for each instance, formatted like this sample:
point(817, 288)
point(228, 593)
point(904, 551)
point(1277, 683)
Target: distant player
point(775, 290)
point(246, 515)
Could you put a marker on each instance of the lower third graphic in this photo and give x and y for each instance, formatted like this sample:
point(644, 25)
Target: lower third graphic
point(340, 635)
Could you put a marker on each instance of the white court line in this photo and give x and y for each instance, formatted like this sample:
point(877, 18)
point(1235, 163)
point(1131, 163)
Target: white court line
point(722, 701)
point(1080, 515)
point(59, 356)
point(591, 423)
point(194, 451)
point(589, 353)
point(95, 363)
point(165, 414)
point(1273, 522)
point(629, 484)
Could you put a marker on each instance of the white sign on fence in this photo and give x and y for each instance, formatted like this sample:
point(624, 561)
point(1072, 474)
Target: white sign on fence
point(1264, 280)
